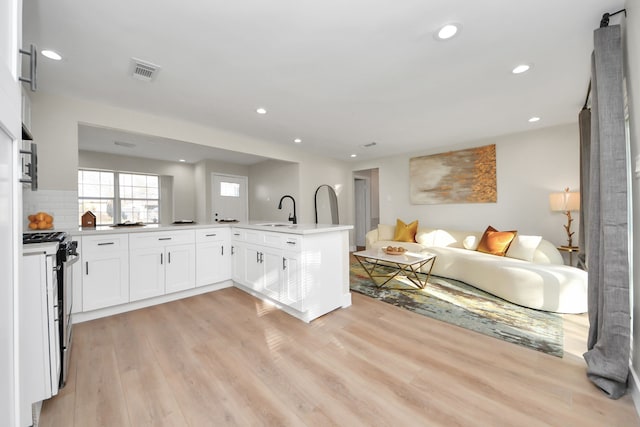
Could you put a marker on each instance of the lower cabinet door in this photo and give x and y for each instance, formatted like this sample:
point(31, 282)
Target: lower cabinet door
point(254, 268)
point(272, 264)
point(213, 264)
point(180, 267)
point(239, 261)
point(105, 281)
point(292, 292)
point(147, 273)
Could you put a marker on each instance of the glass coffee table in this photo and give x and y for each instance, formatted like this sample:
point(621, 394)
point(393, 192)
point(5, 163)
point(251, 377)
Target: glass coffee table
point(409, 263)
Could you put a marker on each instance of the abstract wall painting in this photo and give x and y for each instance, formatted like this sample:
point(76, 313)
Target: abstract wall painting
point(463, 176)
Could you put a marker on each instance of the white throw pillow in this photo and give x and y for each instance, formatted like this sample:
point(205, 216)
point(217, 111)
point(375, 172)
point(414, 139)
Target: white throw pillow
point(471, 243)
point(523, 247)
point(386, 232)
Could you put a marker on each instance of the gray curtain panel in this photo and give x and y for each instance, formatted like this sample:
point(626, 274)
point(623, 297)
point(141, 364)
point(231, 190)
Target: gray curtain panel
point(607, 221)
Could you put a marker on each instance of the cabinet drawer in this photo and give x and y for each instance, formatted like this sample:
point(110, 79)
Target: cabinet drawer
point(291, 243)
point(212, 234)
point(100, 244)
point(253, 236)
point(238, 235)
point(160, 238)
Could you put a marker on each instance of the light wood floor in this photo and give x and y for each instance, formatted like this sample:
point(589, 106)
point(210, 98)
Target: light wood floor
point(226, 358)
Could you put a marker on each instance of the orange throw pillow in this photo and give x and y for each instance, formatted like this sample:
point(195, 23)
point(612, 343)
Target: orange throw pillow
point(404, 232)
point(496, 242)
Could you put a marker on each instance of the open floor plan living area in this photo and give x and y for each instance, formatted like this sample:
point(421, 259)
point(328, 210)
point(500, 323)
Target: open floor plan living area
point(294, 213)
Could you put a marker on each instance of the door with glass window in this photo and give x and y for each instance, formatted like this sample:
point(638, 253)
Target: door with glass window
point(229, 197)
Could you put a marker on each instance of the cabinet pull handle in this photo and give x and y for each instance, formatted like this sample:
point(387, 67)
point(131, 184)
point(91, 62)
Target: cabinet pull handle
point(261, 257)
point(211, 235)
point(290, 242)
point(161, 259)
point(86, 268)
point(106, 243)
point(169, 260)
point(236, 234)
point(232, 250)
point(222, 248)
point(164, 238)
point(284, 263)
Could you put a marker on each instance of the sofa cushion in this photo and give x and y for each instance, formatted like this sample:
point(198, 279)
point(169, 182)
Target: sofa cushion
point(495, 242)
point(470, 242)
point(385, 232)
point(405, 232)
point(523, 247)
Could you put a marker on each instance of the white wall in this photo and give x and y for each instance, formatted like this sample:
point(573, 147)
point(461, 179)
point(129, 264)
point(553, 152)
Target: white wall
point(530, 165)
point(55, 122)
point(632, 41)
point(184, 194)
point(268, 182)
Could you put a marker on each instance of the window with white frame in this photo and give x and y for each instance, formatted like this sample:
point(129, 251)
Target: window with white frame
point(118, 197)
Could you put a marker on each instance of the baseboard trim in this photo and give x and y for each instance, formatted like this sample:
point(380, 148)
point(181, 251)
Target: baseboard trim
point(634, 389)
point(110, 311)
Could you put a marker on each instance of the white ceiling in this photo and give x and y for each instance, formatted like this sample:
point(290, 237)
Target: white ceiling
point(338, 74)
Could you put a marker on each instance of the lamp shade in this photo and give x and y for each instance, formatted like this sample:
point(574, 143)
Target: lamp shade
point(564, 202)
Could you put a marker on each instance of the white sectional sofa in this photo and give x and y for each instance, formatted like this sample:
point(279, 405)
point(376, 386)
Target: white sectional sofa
point(535, 277)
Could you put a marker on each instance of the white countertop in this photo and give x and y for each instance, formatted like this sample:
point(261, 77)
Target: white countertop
point(274, 226)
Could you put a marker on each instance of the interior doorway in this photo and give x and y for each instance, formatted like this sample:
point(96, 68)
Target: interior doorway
point(366, 202)
point(229, 199)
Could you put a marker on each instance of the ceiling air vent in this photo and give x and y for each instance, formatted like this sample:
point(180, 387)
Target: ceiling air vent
point(143, 70)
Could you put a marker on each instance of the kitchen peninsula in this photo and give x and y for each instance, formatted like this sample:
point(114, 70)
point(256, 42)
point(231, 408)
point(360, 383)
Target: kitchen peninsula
point(303, 269)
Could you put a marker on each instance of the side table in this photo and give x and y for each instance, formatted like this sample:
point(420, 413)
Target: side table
point(571, 250)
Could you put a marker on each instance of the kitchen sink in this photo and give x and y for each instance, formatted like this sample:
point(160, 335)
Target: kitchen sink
point(276, 224)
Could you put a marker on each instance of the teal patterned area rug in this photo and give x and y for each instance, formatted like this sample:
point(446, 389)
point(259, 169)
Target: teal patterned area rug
point(463, 305)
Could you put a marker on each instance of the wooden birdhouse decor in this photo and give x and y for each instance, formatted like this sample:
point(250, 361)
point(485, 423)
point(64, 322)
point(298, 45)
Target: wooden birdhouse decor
point(88, 220)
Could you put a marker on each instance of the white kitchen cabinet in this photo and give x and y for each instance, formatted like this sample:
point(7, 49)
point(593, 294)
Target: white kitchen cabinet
point(161, 263)
point(255, 264)
point(267, 271)
point(105, 271)
point(270, 265)
point(213, 256)
point(147, 274)
point(238, 256)
point(291, 292)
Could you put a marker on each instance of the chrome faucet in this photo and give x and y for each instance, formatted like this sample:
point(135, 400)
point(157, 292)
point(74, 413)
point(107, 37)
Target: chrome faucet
point(291, 217)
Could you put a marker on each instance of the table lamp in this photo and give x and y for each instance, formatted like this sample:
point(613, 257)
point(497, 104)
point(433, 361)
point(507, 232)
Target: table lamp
point(566, 202)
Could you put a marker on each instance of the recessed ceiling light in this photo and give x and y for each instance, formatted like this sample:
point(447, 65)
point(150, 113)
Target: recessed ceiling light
point(354, 155)
point(534, 119)
point(448, 31)
point(297, 140)
point(261, 111)
point(182, 160)
point(51, 54)
point(522, 68)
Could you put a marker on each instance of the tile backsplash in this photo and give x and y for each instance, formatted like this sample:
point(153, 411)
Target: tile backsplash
point(62, 205)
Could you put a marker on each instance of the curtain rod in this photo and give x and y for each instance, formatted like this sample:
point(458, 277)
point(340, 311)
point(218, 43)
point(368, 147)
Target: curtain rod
point(604, 22)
